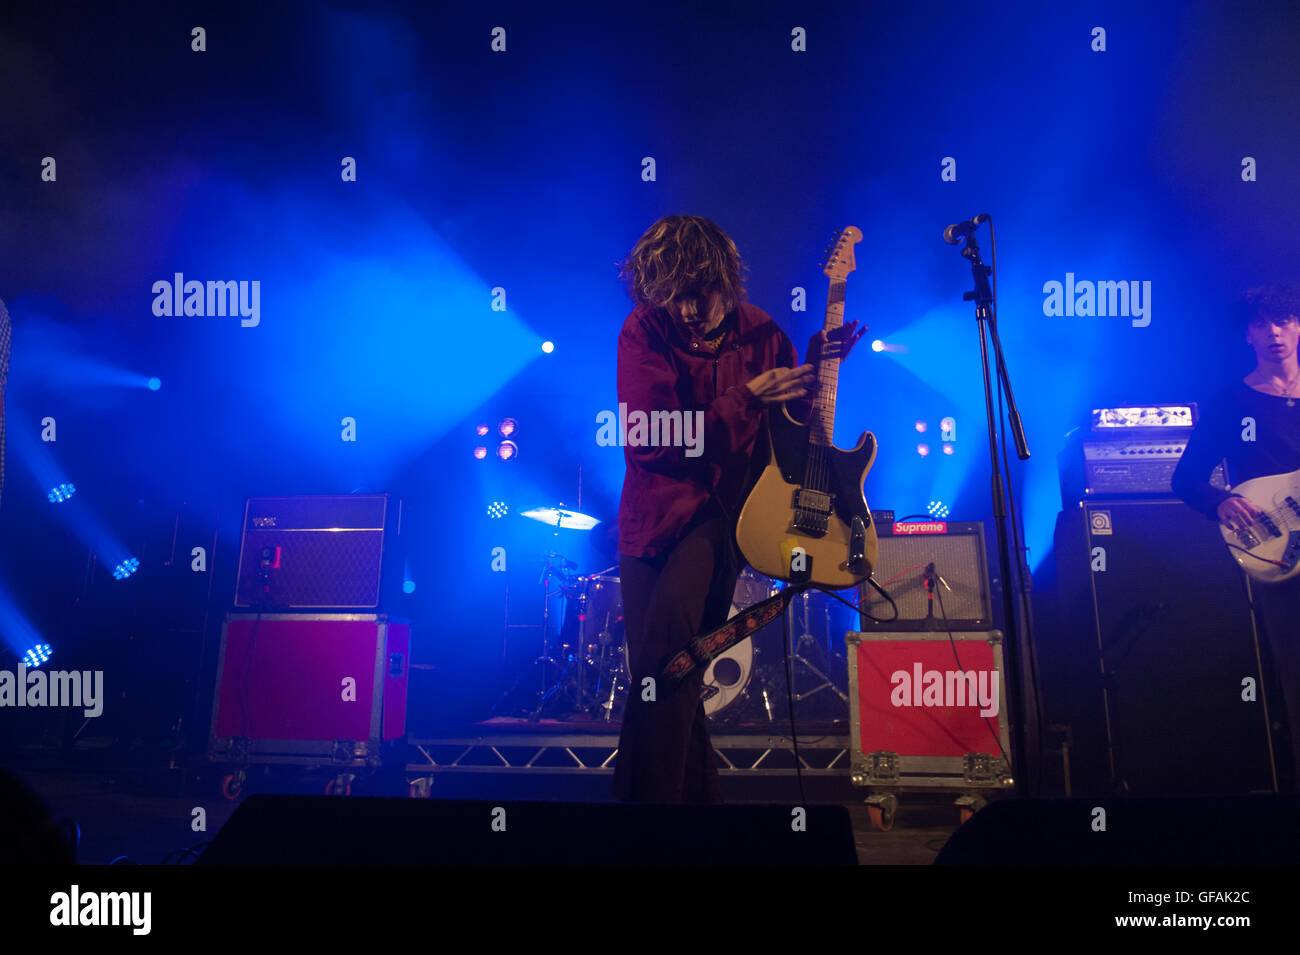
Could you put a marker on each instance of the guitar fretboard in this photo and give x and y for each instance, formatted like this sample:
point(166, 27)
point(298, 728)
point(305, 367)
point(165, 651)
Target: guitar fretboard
point(821, 426)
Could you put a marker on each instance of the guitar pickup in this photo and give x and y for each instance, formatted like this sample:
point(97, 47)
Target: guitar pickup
point(1292, 555)
point(1291, 503)
point(1269, 526)
point(810, 500)
point(857, 546)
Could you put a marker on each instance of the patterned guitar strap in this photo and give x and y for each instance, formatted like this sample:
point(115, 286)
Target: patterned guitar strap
point(700, 651)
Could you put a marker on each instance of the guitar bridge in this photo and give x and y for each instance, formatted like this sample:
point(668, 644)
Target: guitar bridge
point(812, 511)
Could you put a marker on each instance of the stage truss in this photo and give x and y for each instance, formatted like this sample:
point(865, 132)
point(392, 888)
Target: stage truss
point(593, 755)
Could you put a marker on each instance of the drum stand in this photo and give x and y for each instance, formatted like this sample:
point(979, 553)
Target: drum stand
point(806, 639)
point(573, 680)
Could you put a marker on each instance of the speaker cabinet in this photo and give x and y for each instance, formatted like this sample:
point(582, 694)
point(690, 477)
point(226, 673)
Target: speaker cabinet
point(325, 830)
point(319, 552)
point(1240, 830)
point(1155, 654)
point(961, 578)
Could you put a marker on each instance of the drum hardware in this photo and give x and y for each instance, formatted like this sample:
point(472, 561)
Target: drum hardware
point(807, 640)
point(561, 569)
point(584, 671)
point(735, 683)
point(747, 683)
point(573, 649)
point(589, 647)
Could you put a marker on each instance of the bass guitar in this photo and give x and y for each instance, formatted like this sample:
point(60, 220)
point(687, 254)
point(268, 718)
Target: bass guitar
point(1269, 547)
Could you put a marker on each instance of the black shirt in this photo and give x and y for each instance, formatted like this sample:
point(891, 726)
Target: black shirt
point(1219, 435)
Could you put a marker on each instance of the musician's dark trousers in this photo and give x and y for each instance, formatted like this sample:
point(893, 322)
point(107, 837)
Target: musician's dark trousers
point(1277, 607)
point(664, 752)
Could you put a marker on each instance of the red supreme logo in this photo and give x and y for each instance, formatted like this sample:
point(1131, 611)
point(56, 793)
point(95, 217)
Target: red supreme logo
point(922, 527)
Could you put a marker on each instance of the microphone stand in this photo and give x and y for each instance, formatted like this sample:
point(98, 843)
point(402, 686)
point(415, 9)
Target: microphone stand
point(982, 296)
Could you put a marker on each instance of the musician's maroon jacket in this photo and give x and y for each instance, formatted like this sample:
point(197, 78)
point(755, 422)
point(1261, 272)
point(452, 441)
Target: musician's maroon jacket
point(661, 367)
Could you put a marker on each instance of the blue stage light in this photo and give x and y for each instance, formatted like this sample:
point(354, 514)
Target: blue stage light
point(60, 493)
point(155, 384)
point(126, 568)
point(497, 509)
point(408, 587)
point(548, 347)
point(37, 655)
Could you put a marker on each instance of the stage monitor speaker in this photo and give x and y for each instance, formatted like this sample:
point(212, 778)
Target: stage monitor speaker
point(907, 549)
point(333, 830)
point(27, 836)
point(1145, 831)
point(321, 552)
point(1163, 653)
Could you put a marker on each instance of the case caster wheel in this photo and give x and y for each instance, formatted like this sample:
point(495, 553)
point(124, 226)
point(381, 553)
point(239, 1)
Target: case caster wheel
point(968, 805)
point(882, 811)
point(232, 784)
point(340, 785)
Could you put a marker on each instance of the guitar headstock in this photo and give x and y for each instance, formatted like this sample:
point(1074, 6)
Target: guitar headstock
point(838, 261)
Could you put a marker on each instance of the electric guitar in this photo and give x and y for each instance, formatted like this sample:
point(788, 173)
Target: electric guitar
point(807, 520)
point(1269, 548)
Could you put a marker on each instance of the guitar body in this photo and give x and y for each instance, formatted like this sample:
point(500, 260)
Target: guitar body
point(1274, 537)
point(767, 530)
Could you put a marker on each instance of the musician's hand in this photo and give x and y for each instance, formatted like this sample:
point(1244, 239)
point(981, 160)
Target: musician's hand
point(782, 384)
point(837, 344)
point(1237, 513)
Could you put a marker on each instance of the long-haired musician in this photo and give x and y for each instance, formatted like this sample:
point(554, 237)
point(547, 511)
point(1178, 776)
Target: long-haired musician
point(692, 344)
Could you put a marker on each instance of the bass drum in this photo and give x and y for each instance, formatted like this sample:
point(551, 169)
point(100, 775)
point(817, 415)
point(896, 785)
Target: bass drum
point(729, 673)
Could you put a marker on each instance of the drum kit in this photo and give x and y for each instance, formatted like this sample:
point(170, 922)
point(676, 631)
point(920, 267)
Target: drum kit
point(582, 674)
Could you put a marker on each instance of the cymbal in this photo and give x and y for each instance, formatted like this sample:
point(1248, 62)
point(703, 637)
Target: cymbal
point(559, 517)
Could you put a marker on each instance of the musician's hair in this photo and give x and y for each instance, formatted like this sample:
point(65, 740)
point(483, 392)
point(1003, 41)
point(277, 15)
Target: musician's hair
point(1274, 301)
point(683, 257)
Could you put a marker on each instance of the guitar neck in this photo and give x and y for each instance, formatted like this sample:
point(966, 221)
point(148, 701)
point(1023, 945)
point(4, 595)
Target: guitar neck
point(821, 426)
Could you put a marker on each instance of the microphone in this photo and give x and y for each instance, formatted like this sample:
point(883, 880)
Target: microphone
point(959, 230)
